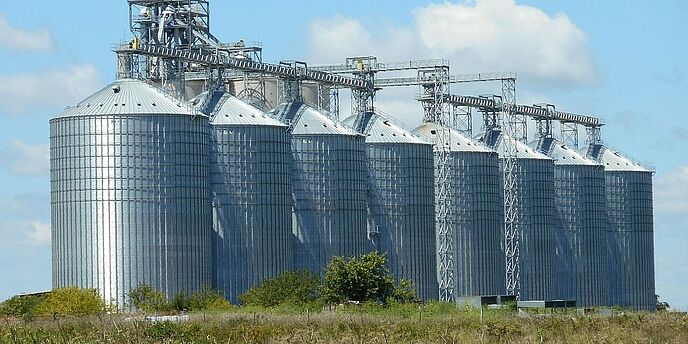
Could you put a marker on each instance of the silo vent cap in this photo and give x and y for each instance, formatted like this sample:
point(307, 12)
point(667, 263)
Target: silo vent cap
point(115, 88)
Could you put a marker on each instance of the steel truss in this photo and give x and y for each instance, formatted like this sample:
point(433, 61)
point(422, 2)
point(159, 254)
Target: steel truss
point(436, 109)
point(512, 126)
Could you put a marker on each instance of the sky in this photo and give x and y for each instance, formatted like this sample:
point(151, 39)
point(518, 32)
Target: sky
point(622, 61)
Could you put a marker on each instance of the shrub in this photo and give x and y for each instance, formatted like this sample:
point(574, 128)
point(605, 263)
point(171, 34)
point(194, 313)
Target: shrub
point(363, 278)
point(207, 298)
point(22, 306)
point(181, 302)
point(295, 288)
point(405, 292)
point(147, 299)
point(72, 301)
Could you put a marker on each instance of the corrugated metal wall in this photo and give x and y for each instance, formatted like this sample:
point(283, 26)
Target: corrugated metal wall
point(250, 180)
point(479, 228)
point(537, 220)
point(580, 203)
point(130, 199)
point(401, 201)
point(477, 214)
point(631, 229)
point(629, 210)
point(582, 264)
point(538, 229)
point(329, 181)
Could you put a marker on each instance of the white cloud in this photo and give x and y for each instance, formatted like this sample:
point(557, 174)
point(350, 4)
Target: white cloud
point(50, 90)
point(40, 232)
point(670, 192)
point(485, 35)
point(500, 35)
point(12, 38)
point(26, 159)
point(334, 39)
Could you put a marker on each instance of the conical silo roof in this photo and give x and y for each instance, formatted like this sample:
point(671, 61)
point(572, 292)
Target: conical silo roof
point(459, 143)
point(562, 154)
point(495, 139)
point(378, 129)
point(308, 121)
point(127, 97)
point(613, 160)
point(226, 109)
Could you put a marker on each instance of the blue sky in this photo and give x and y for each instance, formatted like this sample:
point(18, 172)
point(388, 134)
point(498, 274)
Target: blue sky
point(619, 60)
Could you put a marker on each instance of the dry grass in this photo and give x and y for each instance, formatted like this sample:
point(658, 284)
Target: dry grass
point(356, 327)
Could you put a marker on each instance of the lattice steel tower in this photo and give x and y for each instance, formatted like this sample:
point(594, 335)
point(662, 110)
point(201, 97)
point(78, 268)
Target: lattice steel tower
point(436, 109)
point(514, 129)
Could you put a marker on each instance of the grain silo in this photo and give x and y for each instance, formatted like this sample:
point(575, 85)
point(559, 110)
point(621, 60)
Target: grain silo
point(329, 183)
point(401, 200)
point(631, 229)
point(582, 248)
point(477, 213)
point(537, 218)
point(130, 193)
point(250, 184)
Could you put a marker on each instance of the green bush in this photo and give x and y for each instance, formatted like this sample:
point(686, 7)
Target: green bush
point(405, 292)
point(72, 301)
point(181, 302)
point(207, 298)
point(22, 306)
point(363, 278)
point(147, 299)
point(295, 288)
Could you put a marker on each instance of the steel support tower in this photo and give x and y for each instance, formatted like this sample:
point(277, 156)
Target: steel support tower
point(514, 129)
point(436, 109)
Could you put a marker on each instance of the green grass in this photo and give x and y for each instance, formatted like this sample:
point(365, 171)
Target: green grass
point(432, 323)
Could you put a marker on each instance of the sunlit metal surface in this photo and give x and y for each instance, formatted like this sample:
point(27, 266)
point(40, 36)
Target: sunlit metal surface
point(537, 219)
point(479, 216)
point(130, 193)
point(582, 264)
point(401, 201)
point(631, 229)
point(250, 181)
point(329, 182)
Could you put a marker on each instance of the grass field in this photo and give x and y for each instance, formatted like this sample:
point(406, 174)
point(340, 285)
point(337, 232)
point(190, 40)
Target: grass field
point(404, 324)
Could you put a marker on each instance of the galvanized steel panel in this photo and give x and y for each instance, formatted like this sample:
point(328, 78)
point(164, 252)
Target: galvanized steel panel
point(127, 97)
point(582, 263)
point(581, 204)
point(477, 214)
point(329, 182)
point(537, 220)
point(250, 180)
point(631, 229)
point(130, 200)
point(401, 202)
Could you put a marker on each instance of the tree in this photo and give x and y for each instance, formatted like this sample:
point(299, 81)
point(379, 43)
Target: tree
point(661, 306)
point(147, 299)
point(362, 278)
point(296, 288)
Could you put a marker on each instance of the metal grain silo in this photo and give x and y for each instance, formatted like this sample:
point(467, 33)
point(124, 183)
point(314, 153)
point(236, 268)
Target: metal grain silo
point(130, 193)
point(537, 219)
point(329, 183)
point(582, 267)
point(478, 215)
point(250, 183)
point(401, 199)
point(631, 229)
